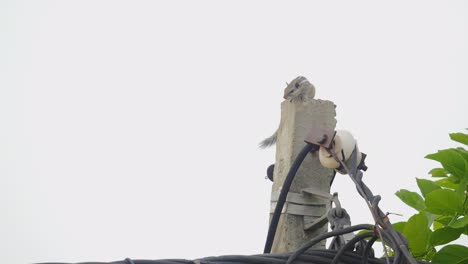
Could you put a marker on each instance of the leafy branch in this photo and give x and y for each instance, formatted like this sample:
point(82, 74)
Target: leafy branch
point(442, 208)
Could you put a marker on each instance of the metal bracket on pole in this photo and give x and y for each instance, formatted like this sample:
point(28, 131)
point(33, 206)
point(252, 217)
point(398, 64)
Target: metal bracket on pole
point(302, 204)
point(298, 204)
point(316, 223)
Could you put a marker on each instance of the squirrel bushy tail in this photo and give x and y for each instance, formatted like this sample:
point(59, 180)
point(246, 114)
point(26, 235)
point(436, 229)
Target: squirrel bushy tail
point(268, 142)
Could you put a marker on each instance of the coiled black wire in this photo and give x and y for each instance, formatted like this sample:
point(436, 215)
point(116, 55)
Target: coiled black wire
point(350, 245)
point(313, 256)
point(311, 243)
point(304, 255)
point(368, 249)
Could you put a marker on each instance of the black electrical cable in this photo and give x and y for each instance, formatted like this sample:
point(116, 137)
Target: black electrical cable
point(312, 256)
point(282, 197)
point(139, 261)
point(367, 249)
point(350, 244)
point(245, 259)
point(321, 237)
point(129, 260)
point(346, 257)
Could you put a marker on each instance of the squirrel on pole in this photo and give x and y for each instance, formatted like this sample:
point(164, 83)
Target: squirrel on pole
point(299, 90)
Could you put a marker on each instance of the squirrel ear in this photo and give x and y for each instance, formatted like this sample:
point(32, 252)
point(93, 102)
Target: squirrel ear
point(296, 85)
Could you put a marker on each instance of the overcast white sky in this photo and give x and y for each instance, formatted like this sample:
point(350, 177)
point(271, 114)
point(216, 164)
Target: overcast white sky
point(130, 128)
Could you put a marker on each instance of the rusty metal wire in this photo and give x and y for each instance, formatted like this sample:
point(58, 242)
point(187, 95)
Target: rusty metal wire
point(383, 227)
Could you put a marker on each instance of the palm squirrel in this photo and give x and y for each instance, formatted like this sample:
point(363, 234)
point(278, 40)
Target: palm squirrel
point(299, 90)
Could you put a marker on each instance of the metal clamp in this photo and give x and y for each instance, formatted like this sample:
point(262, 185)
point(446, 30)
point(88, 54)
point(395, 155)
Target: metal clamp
point(298, 204)
point(302, 204)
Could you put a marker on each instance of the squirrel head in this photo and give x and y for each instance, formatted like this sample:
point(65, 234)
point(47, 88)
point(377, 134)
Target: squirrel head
point(295, 87)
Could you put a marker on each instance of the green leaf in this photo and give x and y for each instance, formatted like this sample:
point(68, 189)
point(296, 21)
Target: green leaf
point(445, 235)
point(437, 225)
point(460, 137)
point(418, 234)
point(426, 186)
point(444, 220)
point(430, 218)
point(459, 223)
point(400, 226)
point(438, 172)
point(451, 160)
point(412, 199)
point(443, 202)
point(430, 254)
point(451, 254)
point(462, 187)
point(463, 152)
point(449, 182)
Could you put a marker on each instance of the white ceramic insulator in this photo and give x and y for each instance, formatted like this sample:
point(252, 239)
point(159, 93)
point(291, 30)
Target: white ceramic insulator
point(343, 146)
point(327, 159)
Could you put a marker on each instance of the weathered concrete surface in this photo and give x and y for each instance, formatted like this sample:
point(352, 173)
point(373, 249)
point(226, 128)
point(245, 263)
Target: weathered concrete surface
point(297, 119)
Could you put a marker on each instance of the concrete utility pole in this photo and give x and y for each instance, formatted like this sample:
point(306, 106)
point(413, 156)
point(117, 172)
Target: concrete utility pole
point(303, 213)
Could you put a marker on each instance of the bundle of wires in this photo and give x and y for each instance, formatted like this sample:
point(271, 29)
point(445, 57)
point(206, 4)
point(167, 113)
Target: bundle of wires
point(347, 254)
point(314, 256)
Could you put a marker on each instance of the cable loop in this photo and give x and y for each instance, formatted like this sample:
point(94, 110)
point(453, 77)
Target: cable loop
point(129, 261)
point(336, 201)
